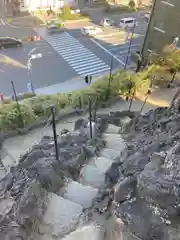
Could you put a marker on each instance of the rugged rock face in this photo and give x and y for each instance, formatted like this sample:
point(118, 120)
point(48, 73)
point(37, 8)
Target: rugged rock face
point(25, 189)
point(147, 196)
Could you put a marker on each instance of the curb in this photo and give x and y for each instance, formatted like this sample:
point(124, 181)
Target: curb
point(77, 21)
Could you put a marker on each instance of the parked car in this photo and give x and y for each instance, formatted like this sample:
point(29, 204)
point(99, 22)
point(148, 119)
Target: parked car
point(106, 22)
point(127, 22)
point(55, 26)
point(147, 16)
point(75, 10)
point(6, 42)
point(90, 31)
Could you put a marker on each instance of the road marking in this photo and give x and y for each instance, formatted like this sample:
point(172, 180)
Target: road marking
point(2, 22)
point(98, 44)
point(123, 47)
point(80, 58)
point(110, 34)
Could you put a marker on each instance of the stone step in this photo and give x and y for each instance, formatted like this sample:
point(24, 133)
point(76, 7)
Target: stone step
point(80, 194)
point(91, 176)
point(115, 142)
point(125, 120)
point(101, 163)
point(61, 216)
point(90, 232)
point(113, 129)
point(108, 153)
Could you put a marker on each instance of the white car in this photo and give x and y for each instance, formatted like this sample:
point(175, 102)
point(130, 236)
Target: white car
point(127, 22)
point(106, 22)
point(90, 31)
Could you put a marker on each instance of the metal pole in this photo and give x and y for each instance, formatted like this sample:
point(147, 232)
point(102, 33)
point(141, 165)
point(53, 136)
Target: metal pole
point(172, 80)
point(148, 27)
point(130, 104)
point(110, 78)
point(95, 109)
point(130, 43)
point(54, 131)
point(90, 117)
point(29, 73)
point(145, 100)
point(110, 71)
point(18, 106)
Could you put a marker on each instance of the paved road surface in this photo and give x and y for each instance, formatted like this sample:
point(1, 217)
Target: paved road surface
point(79, 52)
point(48, 70)
point(65, 56)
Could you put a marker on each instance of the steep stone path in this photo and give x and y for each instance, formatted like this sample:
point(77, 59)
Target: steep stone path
point(66, 210)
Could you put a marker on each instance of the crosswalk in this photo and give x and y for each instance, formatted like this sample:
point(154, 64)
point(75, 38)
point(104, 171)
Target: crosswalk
point(81, 59)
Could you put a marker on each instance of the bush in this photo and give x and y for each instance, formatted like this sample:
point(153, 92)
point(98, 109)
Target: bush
point(122, 9)
point(131, 4)
point(10, 116)
point(38, 107)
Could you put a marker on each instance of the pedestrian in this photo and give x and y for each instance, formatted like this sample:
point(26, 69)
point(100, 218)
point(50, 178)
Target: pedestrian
point(86, 79)
point(30, 87)
point(126, 36)
point(90, 79)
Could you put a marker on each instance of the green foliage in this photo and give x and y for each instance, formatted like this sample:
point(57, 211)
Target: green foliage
point(38, 107)
point(65, 14)
point(131, 4)
point(170, 58)
point(28, 95)
point(122, 9)
point(10, 117)
point(66, 11)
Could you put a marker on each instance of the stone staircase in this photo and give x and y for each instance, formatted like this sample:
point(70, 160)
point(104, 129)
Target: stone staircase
point(67, 209)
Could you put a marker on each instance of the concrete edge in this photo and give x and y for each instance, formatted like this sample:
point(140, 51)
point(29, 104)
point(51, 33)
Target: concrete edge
point(40, 123)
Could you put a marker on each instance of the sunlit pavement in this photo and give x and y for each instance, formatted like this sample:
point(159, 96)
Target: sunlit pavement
point(117, 41)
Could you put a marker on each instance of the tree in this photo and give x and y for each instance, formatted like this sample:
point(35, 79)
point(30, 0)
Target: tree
point(132, 4)
point(171, 58)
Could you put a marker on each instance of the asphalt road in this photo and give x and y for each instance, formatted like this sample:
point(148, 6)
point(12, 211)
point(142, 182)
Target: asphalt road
point(48, 70)
point(65, 56)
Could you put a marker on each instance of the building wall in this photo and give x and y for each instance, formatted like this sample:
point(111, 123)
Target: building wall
point(165, 25)
point(35, 4)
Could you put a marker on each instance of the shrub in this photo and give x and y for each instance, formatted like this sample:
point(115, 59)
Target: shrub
point(10, 116)
point(38, 107)
point(122, 9)
point(131, 4)
point(28, 95)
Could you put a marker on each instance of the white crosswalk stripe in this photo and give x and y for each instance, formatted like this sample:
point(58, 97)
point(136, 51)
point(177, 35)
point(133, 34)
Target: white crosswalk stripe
point(81, 59)
point(2, 22)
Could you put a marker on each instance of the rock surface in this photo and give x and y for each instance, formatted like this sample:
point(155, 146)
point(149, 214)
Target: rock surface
point(92, 176)
point(61, 216)
point(87, 232)
point(147, 195)
point(24, 190)
point(80, 194)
